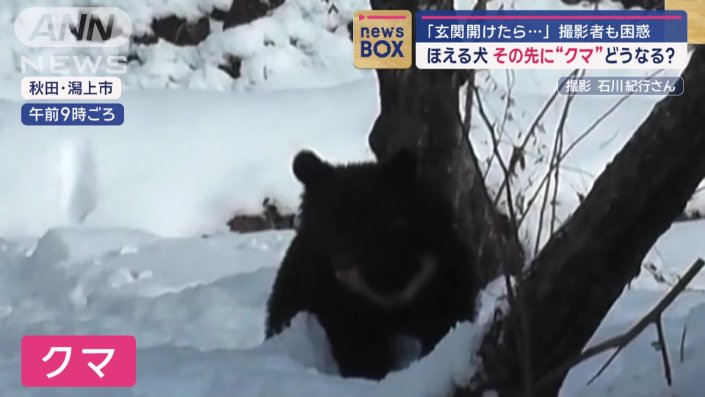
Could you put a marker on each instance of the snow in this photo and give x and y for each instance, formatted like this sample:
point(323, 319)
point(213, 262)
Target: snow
point(122, 230)
point(188, 302)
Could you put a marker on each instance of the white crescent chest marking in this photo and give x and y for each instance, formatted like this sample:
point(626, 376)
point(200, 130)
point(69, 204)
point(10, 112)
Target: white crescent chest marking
point(353, 280)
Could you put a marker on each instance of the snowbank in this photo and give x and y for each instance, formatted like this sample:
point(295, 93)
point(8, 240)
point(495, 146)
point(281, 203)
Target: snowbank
point(196, 308)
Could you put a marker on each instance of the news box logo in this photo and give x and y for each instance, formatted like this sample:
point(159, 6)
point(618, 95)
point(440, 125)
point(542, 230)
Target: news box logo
point(382, 39)
point(696, 18)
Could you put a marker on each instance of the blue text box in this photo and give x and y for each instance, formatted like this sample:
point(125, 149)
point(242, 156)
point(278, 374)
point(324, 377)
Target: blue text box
point(88, 114)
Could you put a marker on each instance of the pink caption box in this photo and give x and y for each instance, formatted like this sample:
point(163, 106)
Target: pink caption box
point(93, 361)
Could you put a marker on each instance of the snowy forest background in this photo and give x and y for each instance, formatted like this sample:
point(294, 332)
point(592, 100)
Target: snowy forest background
point(138, 229)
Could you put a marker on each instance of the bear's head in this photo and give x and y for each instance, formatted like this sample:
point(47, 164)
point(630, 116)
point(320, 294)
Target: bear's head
point(375, 223)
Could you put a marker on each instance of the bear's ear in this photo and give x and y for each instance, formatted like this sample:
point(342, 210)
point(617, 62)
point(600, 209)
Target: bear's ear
point(309, 169)
point(402, 165)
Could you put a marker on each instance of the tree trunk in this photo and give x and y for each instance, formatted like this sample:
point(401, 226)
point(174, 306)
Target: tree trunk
point(419, 110)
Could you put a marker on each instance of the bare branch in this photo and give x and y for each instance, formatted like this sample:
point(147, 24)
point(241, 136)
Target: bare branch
point(685, 327)
point(502, 131)
point(653, 316)
point(605, 365)
point(553, 167)
point(497, 154)
point(664, 350)
point(560, 134)
point(534, 125)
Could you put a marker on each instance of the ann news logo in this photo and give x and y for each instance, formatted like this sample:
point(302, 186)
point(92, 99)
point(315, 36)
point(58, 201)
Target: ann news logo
point(73, 27)
point(382, 39)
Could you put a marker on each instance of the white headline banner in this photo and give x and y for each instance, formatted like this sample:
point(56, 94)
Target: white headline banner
point(626, 56)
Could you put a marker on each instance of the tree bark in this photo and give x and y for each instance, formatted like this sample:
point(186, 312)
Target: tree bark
point(419, 111)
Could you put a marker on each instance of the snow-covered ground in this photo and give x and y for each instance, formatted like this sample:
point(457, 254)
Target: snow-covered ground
point(101, 229)
point(196, 308)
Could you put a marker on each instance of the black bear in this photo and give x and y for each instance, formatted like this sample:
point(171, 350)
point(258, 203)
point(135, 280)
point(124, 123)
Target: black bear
point(374, 257)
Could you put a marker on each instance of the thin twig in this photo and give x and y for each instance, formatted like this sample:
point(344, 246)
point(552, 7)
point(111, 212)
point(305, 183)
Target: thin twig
point(495, 149)
point(664, 350)
point(606, 364)
point(535, 123)
point(559, 155)
point(501, 131)
point(469, 85)
point(553, 167)
point(509, 73)
point(622, 340)
point(685, 327)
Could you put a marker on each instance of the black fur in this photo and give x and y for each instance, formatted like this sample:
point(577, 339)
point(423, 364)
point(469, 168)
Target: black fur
point(382, 219)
